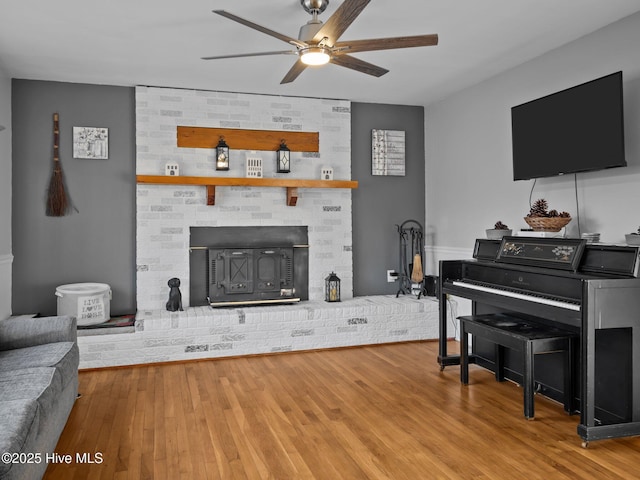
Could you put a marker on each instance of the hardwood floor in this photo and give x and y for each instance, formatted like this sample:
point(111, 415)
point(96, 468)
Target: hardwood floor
point(379, 412)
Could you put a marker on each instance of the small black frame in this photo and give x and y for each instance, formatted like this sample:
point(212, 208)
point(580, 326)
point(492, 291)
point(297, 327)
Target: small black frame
point(486, 249)
point(560, 253)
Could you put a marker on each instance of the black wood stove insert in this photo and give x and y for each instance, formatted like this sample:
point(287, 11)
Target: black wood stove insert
point(232, 266)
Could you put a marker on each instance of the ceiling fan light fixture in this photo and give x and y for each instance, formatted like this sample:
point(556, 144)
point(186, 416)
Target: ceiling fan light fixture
point(315, 56)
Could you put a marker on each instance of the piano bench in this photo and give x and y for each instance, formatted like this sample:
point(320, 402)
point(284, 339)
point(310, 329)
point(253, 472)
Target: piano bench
point(525, 337)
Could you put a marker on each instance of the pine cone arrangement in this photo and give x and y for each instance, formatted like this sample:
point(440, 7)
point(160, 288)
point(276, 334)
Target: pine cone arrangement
point(498, 231)
point(542, 219)
point(540, 209)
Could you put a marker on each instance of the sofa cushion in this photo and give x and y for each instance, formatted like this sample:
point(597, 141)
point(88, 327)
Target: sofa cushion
point(20, 332)
point(63, 356)
point(19, 426)
point(42, 384)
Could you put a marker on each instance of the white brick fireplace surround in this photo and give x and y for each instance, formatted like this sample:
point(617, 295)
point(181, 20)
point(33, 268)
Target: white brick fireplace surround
point(165, 214)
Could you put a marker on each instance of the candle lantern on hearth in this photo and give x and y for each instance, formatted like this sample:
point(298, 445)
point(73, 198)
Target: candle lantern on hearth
point(332, 288)
point(222, 155)
point(283, 156)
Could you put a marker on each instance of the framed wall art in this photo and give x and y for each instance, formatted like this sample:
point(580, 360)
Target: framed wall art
point(91, 142)
point(388, 152)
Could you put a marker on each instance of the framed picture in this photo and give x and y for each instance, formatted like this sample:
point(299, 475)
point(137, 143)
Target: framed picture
point(91, 142)
point(561, 253)
point(387, 152)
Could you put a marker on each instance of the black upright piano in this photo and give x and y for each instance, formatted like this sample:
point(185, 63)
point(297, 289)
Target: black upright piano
point(592, 290)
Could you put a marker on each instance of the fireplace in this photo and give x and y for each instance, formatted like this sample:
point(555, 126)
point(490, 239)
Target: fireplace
point(166, 213)
point(250, 275)
point(232, 266)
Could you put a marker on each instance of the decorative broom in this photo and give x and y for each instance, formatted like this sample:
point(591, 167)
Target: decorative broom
point(58, 203)
point(417, 274)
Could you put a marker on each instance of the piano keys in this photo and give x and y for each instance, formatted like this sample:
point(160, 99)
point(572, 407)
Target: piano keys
point(518, 294)
point(595, 293)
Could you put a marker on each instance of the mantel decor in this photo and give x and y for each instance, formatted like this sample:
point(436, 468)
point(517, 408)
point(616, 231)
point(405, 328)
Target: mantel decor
point(283, 158)
point(222, 155)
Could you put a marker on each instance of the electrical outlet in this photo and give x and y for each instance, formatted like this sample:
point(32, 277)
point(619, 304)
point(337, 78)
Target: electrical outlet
point(392, 276)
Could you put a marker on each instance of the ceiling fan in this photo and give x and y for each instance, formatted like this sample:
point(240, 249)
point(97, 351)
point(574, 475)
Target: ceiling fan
point(317, 42)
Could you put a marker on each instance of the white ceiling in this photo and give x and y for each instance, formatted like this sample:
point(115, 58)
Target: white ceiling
point(160, 42)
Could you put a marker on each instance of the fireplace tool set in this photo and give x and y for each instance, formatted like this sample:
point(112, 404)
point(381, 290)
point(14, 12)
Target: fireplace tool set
point(411, 265)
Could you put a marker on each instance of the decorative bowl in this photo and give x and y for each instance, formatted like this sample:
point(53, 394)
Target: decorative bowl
point(497, 234)
point(547, 224)
point(632, 239)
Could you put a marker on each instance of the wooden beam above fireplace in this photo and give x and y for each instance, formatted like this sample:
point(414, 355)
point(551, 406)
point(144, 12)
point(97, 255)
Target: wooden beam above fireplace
point(241, 139)
point(291, 184)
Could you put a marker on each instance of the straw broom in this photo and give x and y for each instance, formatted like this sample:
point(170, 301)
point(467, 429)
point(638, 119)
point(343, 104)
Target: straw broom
point(58, 203)
point(417, 274)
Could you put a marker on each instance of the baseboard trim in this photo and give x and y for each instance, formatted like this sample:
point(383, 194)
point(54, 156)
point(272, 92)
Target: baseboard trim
point(433, 255)
point(449, 253)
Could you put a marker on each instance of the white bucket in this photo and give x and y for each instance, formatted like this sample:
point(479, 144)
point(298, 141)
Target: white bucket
point(88, 302)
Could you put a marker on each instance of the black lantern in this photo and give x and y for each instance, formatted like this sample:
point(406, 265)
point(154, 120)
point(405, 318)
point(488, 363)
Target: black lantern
point(283, 156)
point(222, 155)
point(332, 288)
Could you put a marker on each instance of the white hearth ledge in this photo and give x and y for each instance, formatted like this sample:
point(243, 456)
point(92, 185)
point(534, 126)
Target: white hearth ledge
point(203, 332)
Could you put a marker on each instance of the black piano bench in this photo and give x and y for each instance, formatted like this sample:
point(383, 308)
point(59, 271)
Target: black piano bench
point(525, 337)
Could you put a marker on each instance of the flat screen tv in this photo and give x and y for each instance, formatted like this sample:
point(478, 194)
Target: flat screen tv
point(575, 130)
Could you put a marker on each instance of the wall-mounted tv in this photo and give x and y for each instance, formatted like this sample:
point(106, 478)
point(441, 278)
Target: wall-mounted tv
point(575, 130)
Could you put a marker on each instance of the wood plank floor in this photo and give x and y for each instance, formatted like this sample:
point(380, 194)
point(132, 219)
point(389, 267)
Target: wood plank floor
point(379, 412)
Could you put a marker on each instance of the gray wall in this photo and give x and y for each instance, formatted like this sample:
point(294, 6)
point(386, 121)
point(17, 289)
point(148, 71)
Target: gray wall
point(468, 146)
point(5, 197)
point(382, 202)
point(96, 243)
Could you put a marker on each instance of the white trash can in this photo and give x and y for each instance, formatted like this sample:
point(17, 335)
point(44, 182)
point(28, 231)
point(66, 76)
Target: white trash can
point(90, 303)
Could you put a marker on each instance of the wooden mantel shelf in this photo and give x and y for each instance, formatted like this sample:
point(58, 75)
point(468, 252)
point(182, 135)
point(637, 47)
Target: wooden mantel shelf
point(291, 184)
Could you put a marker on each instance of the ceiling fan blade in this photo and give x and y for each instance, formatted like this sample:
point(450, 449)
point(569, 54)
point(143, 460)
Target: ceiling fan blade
point(260, 28)
point(337, 23)
point(385, 43)
point(360, 65)
point(292, 74)
point(259, 54)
